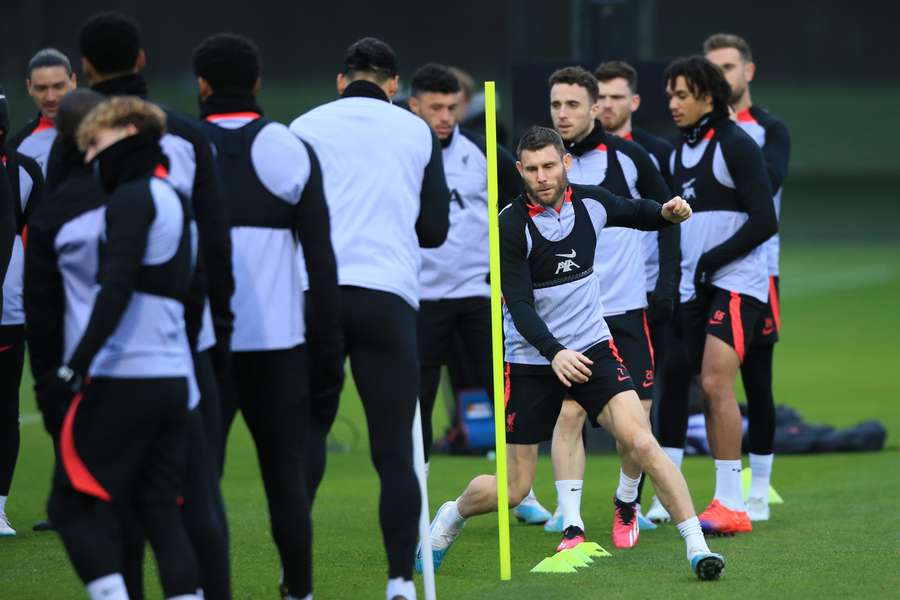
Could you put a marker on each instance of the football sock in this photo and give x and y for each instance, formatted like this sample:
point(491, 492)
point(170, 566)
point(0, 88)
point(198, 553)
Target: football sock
point(693, 536)
point(568, 497)
point(628, 487)
point(108, 587)
point(728, 484)
point(761, 467)
point(401, 587)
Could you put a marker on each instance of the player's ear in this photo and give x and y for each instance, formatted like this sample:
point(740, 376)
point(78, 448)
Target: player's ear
point(635, 102)
point(520, 168)
point(749, 71)
point(567, 161)
point(141, 61)
point(340, 83)
point(413, 104)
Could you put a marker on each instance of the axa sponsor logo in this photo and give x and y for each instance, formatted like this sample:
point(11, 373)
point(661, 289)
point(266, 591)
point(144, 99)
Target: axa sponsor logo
point(564, 266)
point(687, 189)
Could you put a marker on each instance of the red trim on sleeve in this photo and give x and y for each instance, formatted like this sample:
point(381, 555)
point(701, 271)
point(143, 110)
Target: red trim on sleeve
point(160, 172)
point(737, 326)
point(709, 134)
point(629, 136)
point(82, 479)
point(745, 117)
point(773, 302)
point(24, 236)
point(506, 386)
point(601, 147)
point(43, 123)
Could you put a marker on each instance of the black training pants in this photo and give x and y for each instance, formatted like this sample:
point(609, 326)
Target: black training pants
point(12, 357)
point(438, 321)
point(271, 389)
point(380, 339)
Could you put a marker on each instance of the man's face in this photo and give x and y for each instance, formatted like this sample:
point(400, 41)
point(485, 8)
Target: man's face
point(686, 108)
point(617, 102)
point(572, 110)
point(105, 137)
point(737, 72)
point(544, 174)
point(438, 110)
point(48, 86)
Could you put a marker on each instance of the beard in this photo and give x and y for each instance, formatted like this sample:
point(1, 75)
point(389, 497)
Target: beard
point(558, 190)
point(736, 95)
point(614, 122)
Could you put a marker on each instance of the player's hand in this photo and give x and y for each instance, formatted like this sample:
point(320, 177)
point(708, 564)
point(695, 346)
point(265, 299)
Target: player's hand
point(676, 210)
point(571, 367)
point(661, 308)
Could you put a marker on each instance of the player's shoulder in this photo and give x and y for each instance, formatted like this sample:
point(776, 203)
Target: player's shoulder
point(28, 164)
point(766, 119)
point(732, 138)
point(17, 138)
point(78, 194)
point(513, 214)
point(654, 144)
point(589, 192)
point(476, 140)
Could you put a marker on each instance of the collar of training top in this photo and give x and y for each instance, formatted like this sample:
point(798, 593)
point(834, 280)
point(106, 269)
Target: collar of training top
point(228, 102)
point(596, 137)
point(126, 85)
point(365, 89)
point(695, 133)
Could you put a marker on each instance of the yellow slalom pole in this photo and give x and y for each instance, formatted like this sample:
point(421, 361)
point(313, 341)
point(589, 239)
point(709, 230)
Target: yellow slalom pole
point(490, 113)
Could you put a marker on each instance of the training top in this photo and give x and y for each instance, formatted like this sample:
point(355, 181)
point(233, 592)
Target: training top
point(459, 267)
point(125, 266)
point(275, 199)
point(8, 201)
point(385, 187)
point(721, 173)
point(26, 184)
point(625, 169)
point(660, 149)
point(35, 140)
point(771, 134)
point(552, 301)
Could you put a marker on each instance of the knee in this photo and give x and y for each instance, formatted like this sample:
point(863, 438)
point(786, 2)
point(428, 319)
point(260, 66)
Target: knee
point(714, 387)
point(570, 420)
point(642, 445)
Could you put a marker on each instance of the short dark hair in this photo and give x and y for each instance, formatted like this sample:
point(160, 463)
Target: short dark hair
point(371, 55)
point(576, 76)
point(537, 138)
point(613, 69)
point(728, 40)
point(433, 77)
point(228, 61)
point(111, 42)
point(73, 109)
point(702, 78)
point(49, 57)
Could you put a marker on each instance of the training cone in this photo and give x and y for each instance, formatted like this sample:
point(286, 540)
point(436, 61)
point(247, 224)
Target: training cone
point(746, 478)
point(581, 553)
point(572, 558)
point(593, 549)
point(553, 564)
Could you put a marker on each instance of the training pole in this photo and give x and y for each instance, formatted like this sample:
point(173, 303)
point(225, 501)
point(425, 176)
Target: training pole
point(490, 114)
point(425, 513)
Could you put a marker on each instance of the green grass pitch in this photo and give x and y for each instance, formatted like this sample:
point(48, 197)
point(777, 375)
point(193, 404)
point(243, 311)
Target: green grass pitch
point(838, 535)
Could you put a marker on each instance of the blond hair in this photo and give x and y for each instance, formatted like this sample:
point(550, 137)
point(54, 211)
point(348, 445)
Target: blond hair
point(122, 111)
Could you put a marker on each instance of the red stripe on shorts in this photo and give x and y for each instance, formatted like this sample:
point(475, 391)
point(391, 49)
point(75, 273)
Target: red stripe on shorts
point(615, 351)
point(506, 386)
point(82, 479)
point(649, 341)
point(773, 301)
point(737, 326)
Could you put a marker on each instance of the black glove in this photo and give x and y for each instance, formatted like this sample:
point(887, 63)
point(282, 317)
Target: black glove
point(661, 308)
point(54, 392)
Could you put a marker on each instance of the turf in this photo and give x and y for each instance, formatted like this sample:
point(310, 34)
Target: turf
point(838, 535)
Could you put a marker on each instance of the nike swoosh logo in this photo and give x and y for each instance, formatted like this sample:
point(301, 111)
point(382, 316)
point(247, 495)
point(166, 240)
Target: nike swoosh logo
point(572, 255)
point(623, 378)
point(5, 348)
point(647, 384)
point(575, 490)
point(711, 322)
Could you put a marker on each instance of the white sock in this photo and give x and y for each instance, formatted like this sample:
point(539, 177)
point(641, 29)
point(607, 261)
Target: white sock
point(568, 497)
point(628, 487)
point(3, 503)
point(761, 466)
point(694, 541)
point(108, 587)
point(451, 518)
point(529, 499)
point(676, 455)
point(728, 484)
point(401, 587)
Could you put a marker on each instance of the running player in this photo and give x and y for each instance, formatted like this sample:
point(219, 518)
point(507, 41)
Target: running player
point(625, 169)
point(724, 283)
point(732, 54)
point(557, 342)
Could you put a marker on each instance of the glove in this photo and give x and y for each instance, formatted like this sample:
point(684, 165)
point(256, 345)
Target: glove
point(661, 308)
point(54, 392)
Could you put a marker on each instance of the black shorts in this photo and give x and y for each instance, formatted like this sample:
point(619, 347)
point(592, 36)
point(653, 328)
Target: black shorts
point(631, 334)
point(534, 395)
point(770, 321)
point(730, 316)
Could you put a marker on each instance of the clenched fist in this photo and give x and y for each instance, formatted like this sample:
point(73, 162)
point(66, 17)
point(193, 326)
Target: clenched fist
point(676, 210)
